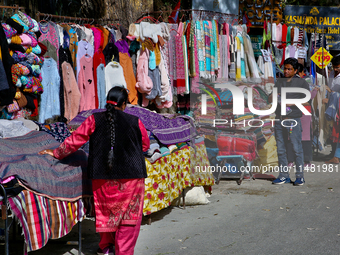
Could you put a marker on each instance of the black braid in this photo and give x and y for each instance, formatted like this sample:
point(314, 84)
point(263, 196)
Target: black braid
point(118, 95)
point(111, 117)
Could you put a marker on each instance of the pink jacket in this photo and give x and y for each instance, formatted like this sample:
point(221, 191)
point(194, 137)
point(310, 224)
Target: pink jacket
point(144, 83)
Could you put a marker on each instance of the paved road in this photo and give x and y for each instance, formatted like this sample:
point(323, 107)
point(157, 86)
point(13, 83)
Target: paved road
point(253, 218)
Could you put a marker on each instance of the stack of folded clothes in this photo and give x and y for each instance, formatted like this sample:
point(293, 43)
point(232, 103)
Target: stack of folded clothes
point(158, 150)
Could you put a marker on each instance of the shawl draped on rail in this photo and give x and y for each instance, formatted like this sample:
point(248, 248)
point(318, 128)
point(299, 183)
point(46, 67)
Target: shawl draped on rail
point(44, 175)
point(168, 130)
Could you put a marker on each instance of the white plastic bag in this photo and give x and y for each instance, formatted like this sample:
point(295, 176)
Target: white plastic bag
point(195, 196)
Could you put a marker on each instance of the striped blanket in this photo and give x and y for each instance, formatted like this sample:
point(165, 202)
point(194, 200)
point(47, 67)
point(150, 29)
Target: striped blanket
point(42, 218)
point(57, 179)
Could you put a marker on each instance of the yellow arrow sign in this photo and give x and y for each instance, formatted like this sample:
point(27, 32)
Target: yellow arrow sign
point(321, 58)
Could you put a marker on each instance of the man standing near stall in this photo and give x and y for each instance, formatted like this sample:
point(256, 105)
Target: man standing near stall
point(288, 127)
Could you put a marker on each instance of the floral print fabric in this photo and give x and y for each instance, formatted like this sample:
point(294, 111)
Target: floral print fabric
point(169, 175)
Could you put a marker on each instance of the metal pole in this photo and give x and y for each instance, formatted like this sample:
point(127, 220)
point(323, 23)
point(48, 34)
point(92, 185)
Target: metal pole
point(79, 237)
point(4, 217)
point(323, 35)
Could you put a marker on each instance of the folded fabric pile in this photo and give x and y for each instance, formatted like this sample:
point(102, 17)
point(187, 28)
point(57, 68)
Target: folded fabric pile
point(205, 119)
point(158, 150)
point(233, 145)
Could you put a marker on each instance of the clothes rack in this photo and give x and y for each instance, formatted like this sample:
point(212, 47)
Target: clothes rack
point(198, 12)
point(189, 10)
point(15, 8)
point(60, 17)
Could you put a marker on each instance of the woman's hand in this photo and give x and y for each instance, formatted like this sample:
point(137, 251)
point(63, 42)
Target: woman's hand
point(48, 151)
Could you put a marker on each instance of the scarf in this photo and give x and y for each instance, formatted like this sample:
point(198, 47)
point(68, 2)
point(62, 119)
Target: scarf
point(192, 42)
point(180, 69)
point(218, 46)
point(219, 74)
point(228, 40)
point(250, 58)
point(186, 69)
point(200, 47)
point(207, 48)
point(195, 80)
point(238, 58)
point(246, 58)
point(172, 54)
point(212, 49)
point(243, 63)
point(224, 56)
point(232, 72)
point(215, 41)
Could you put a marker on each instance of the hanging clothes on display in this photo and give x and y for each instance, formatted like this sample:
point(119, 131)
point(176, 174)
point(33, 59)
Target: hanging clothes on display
point(86, 84)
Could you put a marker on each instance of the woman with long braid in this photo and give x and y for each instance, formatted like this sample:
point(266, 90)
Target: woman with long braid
point(117, 168)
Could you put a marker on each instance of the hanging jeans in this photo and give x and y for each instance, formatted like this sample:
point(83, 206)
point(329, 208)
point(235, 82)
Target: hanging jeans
point(289, 134)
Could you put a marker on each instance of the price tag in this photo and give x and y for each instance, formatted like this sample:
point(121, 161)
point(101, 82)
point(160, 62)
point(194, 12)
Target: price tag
point(321, 58)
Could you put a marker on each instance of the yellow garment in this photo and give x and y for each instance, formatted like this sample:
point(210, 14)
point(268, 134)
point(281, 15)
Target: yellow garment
point(158, 55)
point(29, 50)
point(16, 40)
point(244, 118)
point(238, 59)
point(147, 44)
point(17, 94)
point(0, 53)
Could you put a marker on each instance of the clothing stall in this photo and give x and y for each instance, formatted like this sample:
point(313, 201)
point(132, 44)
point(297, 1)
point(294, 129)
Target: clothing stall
point(50, 73)
point(61, 69)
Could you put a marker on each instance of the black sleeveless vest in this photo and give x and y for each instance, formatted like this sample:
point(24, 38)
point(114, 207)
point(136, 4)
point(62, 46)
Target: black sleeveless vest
point(129, 159)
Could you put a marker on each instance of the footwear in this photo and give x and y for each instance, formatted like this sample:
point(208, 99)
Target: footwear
point(334, 160)
point(281, 180)
point(106, 251)
point(299, 182)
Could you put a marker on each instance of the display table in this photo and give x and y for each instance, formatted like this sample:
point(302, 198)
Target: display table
point(169, 175)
